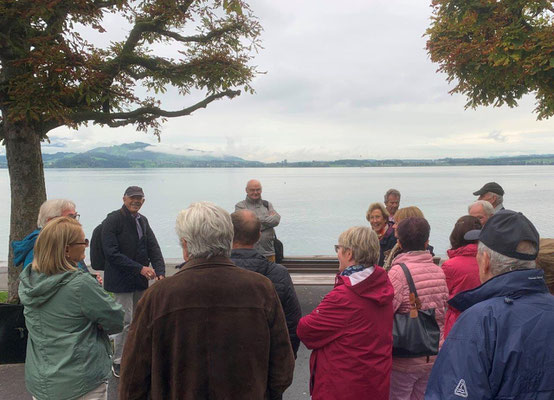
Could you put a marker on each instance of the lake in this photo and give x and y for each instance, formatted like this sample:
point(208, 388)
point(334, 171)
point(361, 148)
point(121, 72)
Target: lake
point(316, 204)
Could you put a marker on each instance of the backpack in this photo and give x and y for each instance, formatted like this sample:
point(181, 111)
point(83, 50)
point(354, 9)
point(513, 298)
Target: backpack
point(277, 244)
point(97, 259)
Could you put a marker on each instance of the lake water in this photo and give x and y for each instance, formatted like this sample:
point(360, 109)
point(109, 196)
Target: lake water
point(316, 204)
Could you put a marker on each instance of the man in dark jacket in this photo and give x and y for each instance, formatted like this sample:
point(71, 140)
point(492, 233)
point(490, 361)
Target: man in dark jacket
point(501, 347)
point(212, 331)
point(129, 247)
point(247, 228)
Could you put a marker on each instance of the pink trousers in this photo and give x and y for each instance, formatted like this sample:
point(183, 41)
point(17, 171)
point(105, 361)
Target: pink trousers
point(408, 385)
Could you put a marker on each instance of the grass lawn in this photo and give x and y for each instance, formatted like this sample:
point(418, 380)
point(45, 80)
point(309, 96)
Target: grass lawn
point(3, 296)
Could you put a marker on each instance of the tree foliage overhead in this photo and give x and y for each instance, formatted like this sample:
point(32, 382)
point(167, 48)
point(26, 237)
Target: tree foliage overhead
point(496, 50)
point(51, 76)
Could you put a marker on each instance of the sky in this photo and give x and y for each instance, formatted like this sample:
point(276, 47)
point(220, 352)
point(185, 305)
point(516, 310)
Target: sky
point(343, 79)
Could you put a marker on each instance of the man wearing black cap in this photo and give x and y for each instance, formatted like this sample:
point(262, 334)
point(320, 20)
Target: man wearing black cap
point(501, 346)
point(129, 247)
point(493, 193)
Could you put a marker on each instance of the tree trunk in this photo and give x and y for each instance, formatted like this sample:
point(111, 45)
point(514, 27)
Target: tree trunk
point(28, 190)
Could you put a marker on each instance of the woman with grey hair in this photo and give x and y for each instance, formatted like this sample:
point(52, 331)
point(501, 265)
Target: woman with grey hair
point(350, 332)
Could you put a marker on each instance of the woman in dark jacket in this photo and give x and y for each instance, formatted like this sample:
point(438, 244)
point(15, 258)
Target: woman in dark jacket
point(350, 332)
point(378, 217)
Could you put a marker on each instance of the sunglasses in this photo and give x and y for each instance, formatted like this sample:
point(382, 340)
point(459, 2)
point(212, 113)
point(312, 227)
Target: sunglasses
point(86, 242)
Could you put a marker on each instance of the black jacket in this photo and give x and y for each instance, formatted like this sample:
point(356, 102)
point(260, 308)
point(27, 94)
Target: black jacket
point(126, 255)
point(251, 260)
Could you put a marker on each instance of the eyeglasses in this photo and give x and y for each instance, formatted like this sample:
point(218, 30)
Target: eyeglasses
point(86, 242)
point(337, 247)
point(75, 216)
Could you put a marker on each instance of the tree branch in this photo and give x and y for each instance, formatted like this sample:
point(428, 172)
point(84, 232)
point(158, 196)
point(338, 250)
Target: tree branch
point(126, 118)
point(216, 33)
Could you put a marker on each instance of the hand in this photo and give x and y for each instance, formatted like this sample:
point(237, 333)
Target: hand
point(272, 213)
point(148, 272)
point(99, 279)
point(160, 277)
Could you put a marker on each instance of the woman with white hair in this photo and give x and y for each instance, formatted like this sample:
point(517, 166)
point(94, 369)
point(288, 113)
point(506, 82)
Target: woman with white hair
point(69, 317)
point(350, 332)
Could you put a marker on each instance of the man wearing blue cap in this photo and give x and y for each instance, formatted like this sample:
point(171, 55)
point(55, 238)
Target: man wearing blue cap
point(502, 346)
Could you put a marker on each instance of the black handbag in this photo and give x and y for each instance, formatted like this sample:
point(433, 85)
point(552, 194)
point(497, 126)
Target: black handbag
point(417, 333)
point(278, 246)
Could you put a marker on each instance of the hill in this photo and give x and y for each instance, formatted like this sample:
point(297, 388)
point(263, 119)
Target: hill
point(140, 155)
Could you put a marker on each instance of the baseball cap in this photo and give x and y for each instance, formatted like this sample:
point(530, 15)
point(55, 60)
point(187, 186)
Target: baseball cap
point(133, 191)
point(504, 231)
point(490, 187)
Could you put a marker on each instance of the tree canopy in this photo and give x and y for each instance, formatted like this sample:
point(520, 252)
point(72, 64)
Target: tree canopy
point(496, 50)
point(52, 75)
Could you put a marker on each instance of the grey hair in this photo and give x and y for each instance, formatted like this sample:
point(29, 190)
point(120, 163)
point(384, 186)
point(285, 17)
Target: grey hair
point(500, 263)
point(363, 242)
point(52, 209)
point(487, 207)
point(393, 192)
point(207, 229)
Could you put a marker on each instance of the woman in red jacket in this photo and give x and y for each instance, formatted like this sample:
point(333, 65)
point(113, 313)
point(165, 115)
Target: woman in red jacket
point(461, 269)
point(350, 332)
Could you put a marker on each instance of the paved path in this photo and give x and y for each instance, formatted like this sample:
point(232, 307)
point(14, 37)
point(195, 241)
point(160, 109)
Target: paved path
point(12, 380)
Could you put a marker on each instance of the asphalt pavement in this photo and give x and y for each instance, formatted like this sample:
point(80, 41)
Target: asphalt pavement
point(12, 377)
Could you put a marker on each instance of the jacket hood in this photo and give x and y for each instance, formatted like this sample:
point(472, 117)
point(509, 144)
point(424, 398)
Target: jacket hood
point(510, 285)
point(371, 283)
point(469, 250)
point(22, 248)
point(36, 288)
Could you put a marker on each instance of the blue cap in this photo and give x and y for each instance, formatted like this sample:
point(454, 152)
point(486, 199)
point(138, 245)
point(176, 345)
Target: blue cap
point(504, 231)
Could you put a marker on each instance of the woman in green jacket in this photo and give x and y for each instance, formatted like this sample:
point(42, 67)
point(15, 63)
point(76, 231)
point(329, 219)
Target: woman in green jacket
point(69, 317)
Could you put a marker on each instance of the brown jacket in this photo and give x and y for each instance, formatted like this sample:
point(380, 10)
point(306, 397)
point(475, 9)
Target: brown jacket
point(212, 331)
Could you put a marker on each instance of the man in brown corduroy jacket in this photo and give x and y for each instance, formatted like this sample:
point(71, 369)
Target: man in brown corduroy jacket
point(212, 331)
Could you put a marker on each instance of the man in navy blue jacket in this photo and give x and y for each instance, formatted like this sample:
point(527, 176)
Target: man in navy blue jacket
point(501, 346)
point(129, 247)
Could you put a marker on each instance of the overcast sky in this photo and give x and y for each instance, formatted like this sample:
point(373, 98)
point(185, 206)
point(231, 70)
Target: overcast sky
point(345, 79)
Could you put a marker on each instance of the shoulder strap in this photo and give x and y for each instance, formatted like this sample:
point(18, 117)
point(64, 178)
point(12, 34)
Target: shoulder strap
point(265, 203)
point(409, 279)
point(415, 303)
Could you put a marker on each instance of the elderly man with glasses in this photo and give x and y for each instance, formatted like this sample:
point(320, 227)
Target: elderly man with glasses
point(50, 209)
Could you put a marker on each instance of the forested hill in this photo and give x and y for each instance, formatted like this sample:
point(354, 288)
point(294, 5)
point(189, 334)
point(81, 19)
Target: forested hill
point(140, 155)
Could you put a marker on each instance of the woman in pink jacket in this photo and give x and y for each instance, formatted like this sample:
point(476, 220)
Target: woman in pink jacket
point(461, 269)
point(409, 375)
point(350, 332)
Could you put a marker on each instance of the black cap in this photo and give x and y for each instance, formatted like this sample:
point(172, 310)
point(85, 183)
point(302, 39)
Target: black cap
point(490, 187)
point(133, 191)
point(504, 231)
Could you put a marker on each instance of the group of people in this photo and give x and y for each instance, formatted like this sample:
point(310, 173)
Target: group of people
point(228, 325)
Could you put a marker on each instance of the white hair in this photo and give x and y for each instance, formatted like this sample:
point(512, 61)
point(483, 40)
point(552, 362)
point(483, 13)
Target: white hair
point(52, 209)
point(499, 263)
point(207, 229)
point(487, 207)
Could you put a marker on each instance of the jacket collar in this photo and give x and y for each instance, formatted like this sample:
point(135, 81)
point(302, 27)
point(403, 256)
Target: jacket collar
point(246, 253)
point(257, 202)
point(510, 285)
point(217, 261)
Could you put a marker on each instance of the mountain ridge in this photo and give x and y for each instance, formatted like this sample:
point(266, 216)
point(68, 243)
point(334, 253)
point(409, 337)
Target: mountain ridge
point(136, 155)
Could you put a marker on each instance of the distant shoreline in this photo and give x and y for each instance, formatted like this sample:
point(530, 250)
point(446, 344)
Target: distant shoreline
point(140, 155)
